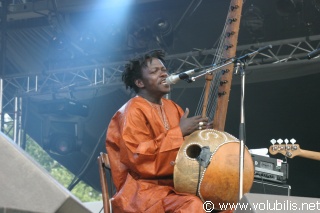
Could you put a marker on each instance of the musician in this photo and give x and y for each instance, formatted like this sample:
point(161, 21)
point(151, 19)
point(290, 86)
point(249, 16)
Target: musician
point(143, 139)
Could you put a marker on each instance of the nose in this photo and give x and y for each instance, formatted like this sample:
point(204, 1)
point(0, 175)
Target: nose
point(164, 73)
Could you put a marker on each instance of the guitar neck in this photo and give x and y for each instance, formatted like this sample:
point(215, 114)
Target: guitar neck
point(294, 150)
point(309, 154)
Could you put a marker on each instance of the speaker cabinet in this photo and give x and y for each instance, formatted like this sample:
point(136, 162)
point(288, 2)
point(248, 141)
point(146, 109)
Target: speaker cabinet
point(26, 187)
point(264, 187)
point(257, 203)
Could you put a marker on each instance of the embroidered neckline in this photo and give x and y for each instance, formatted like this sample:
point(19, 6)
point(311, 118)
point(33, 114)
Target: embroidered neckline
point(151, 103)
point(161, 113)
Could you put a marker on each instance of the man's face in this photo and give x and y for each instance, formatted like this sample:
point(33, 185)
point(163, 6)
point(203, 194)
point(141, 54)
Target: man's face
point(154, 76)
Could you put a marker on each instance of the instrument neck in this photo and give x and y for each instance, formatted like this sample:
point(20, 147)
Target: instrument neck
point(231, 32)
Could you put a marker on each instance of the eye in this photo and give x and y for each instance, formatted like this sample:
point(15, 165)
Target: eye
point(154, 70)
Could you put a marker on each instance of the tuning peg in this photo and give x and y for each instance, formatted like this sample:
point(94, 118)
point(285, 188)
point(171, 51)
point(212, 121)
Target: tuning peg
point(279, 141)
point(286, 141)
point(273, 141)
point(293, 140)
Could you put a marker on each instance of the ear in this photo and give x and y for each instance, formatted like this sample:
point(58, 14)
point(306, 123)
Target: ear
point(139, 83)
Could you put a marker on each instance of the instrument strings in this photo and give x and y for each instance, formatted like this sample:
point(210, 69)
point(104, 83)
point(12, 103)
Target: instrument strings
point(215, 83)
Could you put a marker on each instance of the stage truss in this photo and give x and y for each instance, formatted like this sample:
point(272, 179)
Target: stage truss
point(109, 75)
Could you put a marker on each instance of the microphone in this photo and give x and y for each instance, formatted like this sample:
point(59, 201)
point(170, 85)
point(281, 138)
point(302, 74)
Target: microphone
point(251, 55)
point(313, 54)
point(172, 79)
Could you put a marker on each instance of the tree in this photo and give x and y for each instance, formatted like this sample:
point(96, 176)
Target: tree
point(84, 192)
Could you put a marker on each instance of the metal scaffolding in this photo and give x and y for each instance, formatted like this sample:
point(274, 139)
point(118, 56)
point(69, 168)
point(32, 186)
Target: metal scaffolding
point(107, 75)
point(101, 75)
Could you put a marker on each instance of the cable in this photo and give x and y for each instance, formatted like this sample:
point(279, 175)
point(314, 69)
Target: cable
point(76, 179)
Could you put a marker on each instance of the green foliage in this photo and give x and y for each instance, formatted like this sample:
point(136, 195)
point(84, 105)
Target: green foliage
point(84, 192)
point(39, 155)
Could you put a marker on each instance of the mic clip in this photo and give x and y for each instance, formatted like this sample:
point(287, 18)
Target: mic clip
point(185, 77)
point(189, 80)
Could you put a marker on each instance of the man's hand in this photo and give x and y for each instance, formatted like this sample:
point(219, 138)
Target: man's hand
point(189, 125)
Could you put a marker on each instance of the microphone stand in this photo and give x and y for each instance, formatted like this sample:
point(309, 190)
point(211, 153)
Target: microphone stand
point(239, 70)
point(240, 64)
point(243, 58)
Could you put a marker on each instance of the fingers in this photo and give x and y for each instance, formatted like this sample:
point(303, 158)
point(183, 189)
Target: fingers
point(186, 113)
point(201, 119)
point(188, 125)
point(205, 124)
point(201, 123)
point(209, 125)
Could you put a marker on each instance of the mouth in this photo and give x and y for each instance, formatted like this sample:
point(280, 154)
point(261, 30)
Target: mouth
point(164, 82)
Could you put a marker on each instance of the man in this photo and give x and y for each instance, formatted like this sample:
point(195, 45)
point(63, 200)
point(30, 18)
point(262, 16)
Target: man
point(143, 140)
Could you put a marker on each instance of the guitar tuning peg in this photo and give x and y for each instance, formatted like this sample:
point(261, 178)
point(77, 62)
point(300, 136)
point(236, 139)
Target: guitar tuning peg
point(286, 141)
point(279, 141)
point(293, 140)
point(273, 141)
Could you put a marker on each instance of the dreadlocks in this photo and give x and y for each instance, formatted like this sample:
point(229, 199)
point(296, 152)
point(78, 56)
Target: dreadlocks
point(134, 67)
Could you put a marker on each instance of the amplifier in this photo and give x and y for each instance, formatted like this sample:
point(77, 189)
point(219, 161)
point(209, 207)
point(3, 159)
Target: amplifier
point(264, 187)
point(270, 169)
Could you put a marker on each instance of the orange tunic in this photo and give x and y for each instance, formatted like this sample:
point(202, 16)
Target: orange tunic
point(142, 142)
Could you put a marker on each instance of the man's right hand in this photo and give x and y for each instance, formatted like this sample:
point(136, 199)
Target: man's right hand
point(189, 125)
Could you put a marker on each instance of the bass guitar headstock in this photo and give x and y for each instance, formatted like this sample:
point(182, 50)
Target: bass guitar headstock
point(285, 147)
